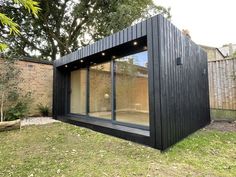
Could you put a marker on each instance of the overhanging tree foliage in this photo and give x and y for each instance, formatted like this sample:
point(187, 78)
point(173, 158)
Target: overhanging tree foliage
point(8, 25)
point(65, 25)
point(12, 104)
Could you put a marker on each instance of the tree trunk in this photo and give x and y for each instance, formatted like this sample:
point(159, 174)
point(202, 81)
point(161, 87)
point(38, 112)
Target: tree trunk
point(2, 99)
point(9, 125)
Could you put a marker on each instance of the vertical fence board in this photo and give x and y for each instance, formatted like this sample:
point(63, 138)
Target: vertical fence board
point(222, 84)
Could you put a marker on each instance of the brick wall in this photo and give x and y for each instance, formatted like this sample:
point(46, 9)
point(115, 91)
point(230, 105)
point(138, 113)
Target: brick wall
point(37, 79)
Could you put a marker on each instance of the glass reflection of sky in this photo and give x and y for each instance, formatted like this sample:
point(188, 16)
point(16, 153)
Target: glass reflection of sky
point(139, 59)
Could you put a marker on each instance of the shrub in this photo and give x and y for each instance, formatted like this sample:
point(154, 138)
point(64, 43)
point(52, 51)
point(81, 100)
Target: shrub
point(18, 111)
point(13, 104)
point(44, 110)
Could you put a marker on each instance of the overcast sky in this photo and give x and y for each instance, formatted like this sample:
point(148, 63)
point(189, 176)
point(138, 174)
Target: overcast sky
point(210, 22)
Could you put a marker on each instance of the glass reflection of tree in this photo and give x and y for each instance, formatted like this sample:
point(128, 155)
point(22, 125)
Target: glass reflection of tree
point(126, 74)
point(100, 87)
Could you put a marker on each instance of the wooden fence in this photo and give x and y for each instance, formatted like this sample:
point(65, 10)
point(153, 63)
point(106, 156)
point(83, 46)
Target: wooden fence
point(222, 84)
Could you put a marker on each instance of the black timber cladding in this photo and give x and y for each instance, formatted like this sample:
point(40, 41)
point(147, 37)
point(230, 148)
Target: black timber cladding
point(178, 94)
point(119, 38)
point(184, 94)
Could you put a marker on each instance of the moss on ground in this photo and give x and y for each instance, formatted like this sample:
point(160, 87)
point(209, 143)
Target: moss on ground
point(65, 150)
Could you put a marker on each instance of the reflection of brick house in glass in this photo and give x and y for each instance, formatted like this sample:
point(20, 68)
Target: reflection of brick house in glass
point(147, 83)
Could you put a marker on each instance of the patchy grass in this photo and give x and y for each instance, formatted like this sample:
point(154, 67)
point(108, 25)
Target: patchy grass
point(64, 150)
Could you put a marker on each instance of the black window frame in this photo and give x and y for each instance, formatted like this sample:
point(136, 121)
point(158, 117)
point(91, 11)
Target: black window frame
point(113, 89)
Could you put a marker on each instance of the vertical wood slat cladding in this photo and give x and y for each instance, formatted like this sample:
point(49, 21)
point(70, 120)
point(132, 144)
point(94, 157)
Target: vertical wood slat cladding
point(151, 89)
point(139, 30)
point(59, 92)
point(154, 81)
point(184, 88)
point(128, 34)
point(54, 94)
point(178, 94)
point(134, 31)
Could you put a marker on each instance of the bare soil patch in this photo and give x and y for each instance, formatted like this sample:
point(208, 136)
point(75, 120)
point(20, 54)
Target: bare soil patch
point(223, 126)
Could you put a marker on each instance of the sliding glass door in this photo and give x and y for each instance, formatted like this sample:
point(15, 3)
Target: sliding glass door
point(118, 93)
point(131, 93)
point(100, 91)
point(78, 92)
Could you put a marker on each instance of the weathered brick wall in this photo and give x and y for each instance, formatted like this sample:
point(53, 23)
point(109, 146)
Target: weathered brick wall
point(38, 79)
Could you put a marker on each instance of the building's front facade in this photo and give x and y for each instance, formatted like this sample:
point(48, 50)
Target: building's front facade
point(147, 83)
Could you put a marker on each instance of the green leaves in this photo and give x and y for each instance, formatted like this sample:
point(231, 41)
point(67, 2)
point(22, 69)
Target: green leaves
point(17, 111)
point(6, 21)
point(31, 5)
point(64, 26)
point(43, 109)
point(3, 47)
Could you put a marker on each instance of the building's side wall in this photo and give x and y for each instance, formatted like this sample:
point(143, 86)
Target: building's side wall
point(212, 53)
point(36, 79)
point(218, 55)
point(184, 92)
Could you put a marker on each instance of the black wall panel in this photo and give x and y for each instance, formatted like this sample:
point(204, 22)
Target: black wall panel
point(60, 89)
point(183, 88)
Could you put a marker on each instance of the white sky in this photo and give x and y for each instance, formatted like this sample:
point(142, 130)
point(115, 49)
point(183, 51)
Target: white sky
point(210, 22)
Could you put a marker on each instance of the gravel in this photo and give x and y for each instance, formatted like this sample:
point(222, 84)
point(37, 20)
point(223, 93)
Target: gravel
point(216, 125)
point(37, 121)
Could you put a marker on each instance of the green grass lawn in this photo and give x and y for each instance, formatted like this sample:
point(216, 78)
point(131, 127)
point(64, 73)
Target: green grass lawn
point(65, 150)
